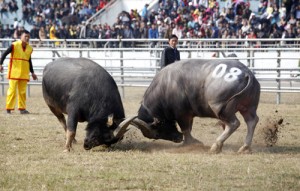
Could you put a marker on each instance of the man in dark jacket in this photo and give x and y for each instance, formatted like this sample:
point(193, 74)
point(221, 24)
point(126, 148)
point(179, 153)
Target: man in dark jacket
point(170, 54)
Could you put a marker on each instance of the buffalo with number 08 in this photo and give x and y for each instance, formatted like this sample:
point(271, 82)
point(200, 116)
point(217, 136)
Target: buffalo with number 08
point(204, 88)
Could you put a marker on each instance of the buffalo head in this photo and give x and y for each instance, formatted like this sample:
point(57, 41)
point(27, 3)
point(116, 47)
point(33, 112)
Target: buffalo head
point(155, 128)
point(112, 132)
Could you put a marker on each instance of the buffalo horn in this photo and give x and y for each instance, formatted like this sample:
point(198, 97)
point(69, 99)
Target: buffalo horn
point(144, 127)
point(122, 128)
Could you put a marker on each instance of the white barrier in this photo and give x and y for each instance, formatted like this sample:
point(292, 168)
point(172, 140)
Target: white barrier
point(275, 67)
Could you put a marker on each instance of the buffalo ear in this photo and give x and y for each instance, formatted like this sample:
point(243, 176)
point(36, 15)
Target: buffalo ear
point(110, 120)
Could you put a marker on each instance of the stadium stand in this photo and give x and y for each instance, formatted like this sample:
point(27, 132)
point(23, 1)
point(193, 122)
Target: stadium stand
point(185, 18)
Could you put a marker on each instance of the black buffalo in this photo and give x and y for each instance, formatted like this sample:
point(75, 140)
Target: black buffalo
point(203, 88)
point(84, 91)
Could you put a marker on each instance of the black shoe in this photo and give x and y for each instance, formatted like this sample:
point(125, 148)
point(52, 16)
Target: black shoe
point(24, 111)
point(8, 111)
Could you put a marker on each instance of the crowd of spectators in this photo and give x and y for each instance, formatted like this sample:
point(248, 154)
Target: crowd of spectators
point(184, 18)
point(6, 7)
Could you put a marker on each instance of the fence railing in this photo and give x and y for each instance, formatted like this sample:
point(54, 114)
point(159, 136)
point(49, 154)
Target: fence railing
point(275, 63)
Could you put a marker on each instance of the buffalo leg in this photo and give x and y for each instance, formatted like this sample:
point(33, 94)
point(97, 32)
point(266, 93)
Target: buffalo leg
point(62, 120)
point(251, 120)
point(71, 131)
point(186, 128)
point(230, 127)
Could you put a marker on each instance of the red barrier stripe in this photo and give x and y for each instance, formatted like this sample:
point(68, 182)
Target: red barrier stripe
point(20, 59)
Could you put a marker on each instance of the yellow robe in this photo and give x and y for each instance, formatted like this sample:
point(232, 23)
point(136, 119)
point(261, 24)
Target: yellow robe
point(19, 62)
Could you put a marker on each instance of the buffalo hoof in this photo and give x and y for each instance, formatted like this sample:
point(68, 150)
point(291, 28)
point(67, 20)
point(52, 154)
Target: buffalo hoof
point(245, 150)
point(66, 150)
point(192, 141)
point(178, 138)
point(216, 148)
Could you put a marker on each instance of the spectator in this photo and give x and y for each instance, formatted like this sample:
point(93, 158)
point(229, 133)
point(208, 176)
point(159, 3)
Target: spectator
point(125, 18)
point(17, 32)
point(39, 22)
point(254, 21)
point(161, 29)
point(127, 34)
point(292, 20)
point(215, 31)
point(170, 54)
point(108, 32)
point(297, 12)
point(47, 31)
point(144, 13)
point(275, 32)
point(73, 32)
point(143, 30)
point(152, 16)
point(168, 32)
point(264, 32)
point(16, 23)
point(4, 9)
point(49, 11)
point(246, 11)
point(34, 32)
point(7, 32)
point(134, 14)
point(52, 33)
point(42, 35)
point(282, 11)
point(153, 34)
point(93, 33)
point(101, 5)
point(252, 35)
point(177, 31)
point(136, 30)
point(83, 30)
point(229, 15)
point(72, 7)
point(64, 32)
point(246, 27)
point(113, 35)
point(288, 33)
point(262, 7)
point(101, 35)
point(13, 6)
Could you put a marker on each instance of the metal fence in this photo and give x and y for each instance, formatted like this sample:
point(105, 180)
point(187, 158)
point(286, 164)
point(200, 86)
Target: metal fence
point(134, 62)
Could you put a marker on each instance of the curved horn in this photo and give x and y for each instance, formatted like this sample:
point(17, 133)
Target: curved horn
point(122, 128)
point(144, 127)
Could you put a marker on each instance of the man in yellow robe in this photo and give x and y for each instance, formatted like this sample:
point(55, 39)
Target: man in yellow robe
point(18, 72)
point(52, 33)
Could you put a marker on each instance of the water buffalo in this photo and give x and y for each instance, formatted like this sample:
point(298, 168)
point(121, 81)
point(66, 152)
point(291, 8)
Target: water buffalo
point(203, 88)
point(84, 91)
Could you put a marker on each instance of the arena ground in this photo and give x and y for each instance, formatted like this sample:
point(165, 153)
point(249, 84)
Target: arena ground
point(32, 159)
point(268, 112)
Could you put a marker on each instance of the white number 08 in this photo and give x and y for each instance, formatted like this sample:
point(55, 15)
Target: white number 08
point(220, 70)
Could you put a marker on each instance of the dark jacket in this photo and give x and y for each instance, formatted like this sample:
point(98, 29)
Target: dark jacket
point(168, 56)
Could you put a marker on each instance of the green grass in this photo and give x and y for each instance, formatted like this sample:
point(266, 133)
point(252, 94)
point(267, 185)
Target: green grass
point(31, 156)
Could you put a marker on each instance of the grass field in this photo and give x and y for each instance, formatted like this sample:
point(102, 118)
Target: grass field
point(31, 156)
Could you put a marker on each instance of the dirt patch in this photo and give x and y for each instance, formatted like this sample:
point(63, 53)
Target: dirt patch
point(271, 129)
point(193, 148)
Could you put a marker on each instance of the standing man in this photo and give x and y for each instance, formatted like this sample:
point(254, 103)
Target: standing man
point(170, 54)
point(152, 34)
point(18, 72)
